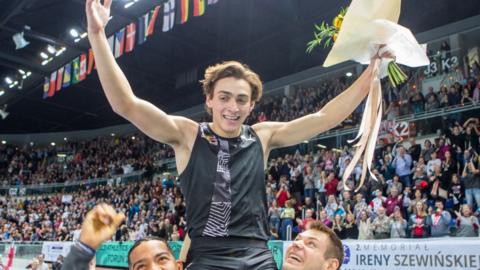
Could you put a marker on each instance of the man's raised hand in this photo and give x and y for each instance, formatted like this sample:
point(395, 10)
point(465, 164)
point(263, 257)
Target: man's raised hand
point(99, 225)
point(98, 15)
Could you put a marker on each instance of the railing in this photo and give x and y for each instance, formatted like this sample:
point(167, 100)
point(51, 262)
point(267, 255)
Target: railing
point(289, 233)
point(407, 118)
point(26, 190)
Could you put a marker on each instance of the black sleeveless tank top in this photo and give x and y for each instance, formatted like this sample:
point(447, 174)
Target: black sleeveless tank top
point(224, 186)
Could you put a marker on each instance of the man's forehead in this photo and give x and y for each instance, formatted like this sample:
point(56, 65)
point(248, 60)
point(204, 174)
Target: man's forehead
point(151, 247)
point(232, 85)
point(312, 234)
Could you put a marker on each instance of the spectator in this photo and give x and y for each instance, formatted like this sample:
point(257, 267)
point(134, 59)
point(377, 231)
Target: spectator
point(303, 223)
point(34, 264)
point(364, 225)
point(398, 225)
point(394, 200)
point(274, 215)
point(415, 149)
point(471, 180)
point(308, 182)
point(287, 216)
point(476, 94)
point(333, 207)
point(350, 227)
point(440, 220)
point(360, 205)
point(419, 221)
point(338, 226)
point(378, 201)
point(42, 265)
point(57, 265)
point(325, 219)
point(381, 225)
point(456, 192)
point(403, 163)
point(434, 162)
point(444, 97)
point(467, 223)
point(427, 151)
point(282, 195)
point(466, 99)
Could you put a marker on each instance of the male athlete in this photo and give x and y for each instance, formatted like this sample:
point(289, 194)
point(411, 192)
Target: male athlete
point(221, 164)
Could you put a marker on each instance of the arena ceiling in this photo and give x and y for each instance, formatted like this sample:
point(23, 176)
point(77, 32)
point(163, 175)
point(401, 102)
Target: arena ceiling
point(268, 35)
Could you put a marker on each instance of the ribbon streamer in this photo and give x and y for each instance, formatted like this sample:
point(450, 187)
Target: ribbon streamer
point(367, 134)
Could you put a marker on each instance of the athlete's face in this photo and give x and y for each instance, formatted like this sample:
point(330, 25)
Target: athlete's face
point(153, 255)
point(307, 253)
point(231, 104)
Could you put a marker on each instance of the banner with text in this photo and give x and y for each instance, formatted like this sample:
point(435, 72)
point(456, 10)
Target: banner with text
point(414, 254)
point(52, 250)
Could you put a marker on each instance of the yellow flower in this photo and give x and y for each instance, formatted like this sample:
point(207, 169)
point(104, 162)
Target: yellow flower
point(334, 37)
point(337, 22)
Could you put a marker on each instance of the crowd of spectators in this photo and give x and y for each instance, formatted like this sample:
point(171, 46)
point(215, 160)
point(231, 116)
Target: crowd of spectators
point(152, 207)
point(73, 161)
point(424, 190)
point(427, 190)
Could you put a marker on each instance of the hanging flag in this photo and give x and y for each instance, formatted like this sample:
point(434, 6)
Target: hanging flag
point(46, 87)
point(91, 61)
point(76, 70)
point(182, 11)
point(153, 20)
point(67, 75)
point(51, 89)
point(198, 7)
point(111, 41)
point(212, 2)
point(168, 15)
point(59, 78)
point(83, 66)
point(142, 28)
point(119, 42)
point(130, 40)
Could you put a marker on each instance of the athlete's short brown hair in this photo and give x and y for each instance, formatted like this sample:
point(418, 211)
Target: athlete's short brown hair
point(231, 69)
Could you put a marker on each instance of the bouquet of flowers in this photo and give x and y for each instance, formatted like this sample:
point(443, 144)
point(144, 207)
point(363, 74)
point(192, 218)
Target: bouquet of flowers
point(358, 34)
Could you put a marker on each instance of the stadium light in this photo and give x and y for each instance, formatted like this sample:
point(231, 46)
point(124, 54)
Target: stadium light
point(52, 144)
point(74, 32)
point(4, 142)
point(51, 49)
point(59, 52)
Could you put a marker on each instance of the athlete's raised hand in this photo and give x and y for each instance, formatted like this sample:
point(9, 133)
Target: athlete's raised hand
point(98, 14)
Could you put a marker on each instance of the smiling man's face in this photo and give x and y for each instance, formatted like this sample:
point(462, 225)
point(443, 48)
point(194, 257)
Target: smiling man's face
point(307, 252)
